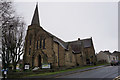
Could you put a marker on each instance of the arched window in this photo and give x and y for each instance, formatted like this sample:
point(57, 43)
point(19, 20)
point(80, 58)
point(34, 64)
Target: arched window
point(29, 51)
point(43, 43)
point(30, 39)
point(37, 44)
point(40, 43)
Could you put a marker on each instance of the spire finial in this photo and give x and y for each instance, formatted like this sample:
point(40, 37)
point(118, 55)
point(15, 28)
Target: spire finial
point(35, 20)
point(37, 4)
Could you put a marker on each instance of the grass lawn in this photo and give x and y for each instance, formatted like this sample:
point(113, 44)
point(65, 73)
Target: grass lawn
point(50, 73)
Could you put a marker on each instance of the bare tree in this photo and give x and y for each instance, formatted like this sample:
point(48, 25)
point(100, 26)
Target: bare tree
point(17, 41)
point(5, 18)
point(12, 35)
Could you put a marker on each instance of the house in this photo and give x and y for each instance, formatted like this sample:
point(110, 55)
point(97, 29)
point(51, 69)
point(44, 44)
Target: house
point(42, 47)
point(117, 55)
point(106, 56)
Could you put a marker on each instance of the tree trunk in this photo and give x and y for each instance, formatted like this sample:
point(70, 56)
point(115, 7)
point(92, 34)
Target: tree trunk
point(14, 66)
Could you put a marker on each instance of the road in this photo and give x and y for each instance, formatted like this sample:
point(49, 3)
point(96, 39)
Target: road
point(99, 73)
point(104, 72)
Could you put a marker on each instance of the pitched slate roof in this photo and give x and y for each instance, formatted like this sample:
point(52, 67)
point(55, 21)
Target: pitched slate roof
point(87, 42)
point(59, 41)
point(78, 44)
point(62, 43)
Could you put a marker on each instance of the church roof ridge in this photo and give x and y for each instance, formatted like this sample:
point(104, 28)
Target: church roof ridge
point(58, 40)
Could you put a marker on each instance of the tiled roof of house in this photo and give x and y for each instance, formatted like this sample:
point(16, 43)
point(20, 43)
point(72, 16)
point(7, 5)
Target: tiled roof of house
point(105, 52)
point(116, 53)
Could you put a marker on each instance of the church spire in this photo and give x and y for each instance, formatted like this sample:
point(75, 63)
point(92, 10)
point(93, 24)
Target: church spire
point(35, 19)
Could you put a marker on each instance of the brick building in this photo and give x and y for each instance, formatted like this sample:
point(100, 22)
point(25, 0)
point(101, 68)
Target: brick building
point(41, 47)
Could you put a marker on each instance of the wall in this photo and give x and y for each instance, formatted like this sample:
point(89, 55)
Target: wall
point(70, 59)
point(102, 56)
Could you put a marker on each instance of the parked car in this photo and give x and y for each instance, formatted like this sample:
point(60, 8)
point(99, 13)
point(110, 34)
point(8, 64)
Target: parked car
point(114, 62)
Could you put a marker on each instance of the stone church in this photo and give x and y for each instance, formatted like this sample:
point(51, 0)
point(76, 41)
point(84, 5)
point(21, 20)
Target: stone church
point(41, 47)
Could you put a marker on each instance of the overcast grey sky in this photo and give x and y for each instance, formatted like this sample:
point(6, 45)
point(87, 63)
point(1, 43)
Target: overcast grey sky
point(72, 20)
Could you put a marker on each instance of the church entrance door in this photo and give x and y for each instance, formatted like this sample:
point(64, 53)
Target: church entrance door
point(39, 61)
